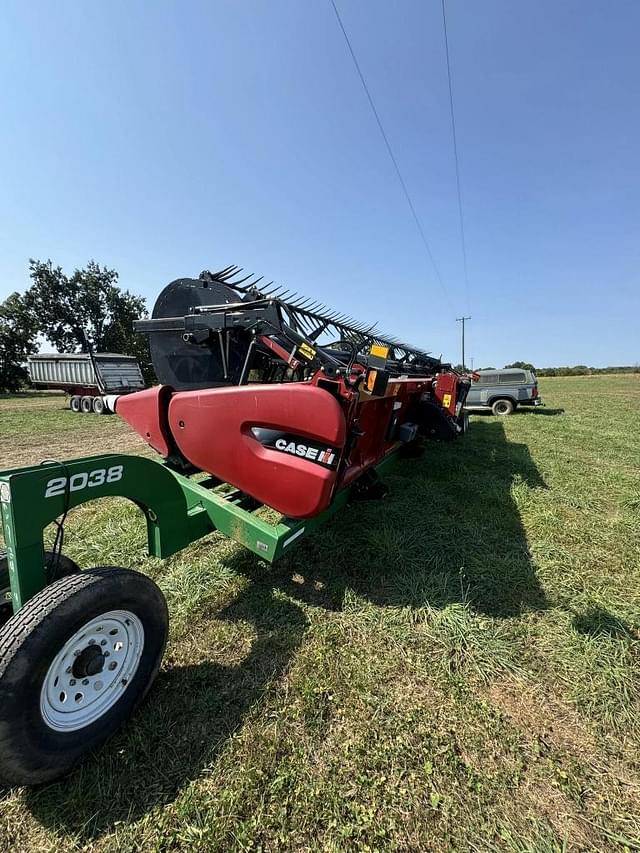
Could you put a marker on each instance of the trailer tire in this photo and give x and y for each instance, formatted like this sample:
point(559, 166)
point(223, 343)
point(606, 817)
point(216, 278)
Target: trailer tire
point(86, 404)
point(47, 659)
point(74, 403)
point(54, 570)
point(98, 405)
point(502, 407)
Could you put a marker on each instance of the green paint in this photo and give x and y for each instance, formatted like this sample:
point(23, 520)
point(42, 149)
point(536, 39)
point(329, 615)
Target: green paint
point(178, 511)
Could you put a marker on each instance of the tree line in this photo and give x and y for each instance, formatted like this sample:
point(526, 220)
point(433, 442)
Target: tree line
point(576, 370)
point(73, 312)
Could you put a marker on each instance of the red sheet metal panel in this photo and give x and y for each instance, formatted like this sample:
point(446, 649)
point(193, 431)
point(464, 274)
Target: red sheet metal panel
point(215, 429)
point(146, 412)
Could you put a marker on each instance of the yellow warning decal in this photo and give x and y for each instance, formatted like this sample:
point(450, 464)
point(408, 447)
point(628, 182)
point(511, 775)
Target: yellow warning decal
point(306, 351)
point(446, 400)
point(379, 351)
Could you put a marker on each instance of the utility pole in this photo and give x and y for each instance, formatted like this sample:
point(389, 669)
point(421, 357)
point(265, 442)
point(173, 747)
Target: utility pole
point(461, 320)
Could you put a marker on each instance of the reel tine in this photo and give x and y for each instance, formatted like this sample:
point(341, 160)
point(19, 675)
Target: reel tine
point(306, 323)
point(221, 275)
point(248, 278)
point(297, 300)
point(269, 289)
point(242, 281)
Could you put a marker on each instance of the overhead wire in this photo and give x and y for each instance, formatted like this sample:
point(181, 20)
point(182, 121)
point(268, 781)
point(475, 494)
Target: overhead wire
point(455, 156)
point(391, 154)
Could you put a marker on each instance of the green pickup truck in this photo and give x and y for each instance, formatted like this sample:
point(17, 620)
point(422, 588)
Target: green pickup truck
point(502, 391)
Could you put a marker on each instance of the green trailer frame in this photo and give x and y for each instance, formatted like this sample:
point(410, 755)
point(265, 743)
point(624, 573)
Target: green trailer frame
point(178, 510)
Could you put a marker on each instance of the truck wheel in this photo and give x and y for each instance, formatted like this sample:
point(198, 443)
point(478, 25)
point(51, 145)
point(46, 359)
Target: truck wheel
point(54, 569)
point(86, 404)
point(75, 662)
point(502, 407)
point(74, 403)
point(98, 405)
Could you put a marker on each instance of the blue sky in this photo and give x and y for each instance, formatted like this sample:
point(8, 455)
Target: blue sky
point(163, 138)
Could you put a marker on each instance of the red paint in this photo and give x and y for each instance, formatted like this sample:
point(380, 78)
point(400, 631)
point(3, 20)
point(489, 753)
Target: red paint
point(146, 412)
point(212, 429)
point(281, 352)
point(447, 383)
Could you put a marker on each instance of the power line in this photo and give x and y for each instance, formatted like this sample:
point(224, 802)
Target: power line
point(391, 154)
point(455, 155)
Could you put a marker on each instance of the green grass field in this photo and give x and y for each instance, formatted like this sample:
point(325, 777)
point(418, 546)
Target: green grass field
point(456, 667)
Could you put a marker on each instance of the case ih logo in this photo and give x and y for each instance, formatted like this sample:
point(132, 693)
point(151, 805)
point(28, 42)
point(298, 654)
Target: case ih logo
point(276, 439)
point(325, 456)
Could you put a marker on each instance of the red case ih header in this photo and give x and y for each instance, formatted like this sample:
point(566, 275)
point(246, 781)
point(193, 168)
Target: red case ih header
point(297, 408)
point(250, 396)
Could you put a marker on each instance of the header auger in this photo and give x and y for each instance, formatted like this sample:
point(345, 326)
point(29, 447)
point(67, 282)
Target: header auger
point(282, 403)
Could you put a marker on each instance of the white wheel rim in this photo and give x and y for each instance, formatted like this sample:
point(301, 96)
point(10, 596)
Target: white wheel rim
point(73, 695)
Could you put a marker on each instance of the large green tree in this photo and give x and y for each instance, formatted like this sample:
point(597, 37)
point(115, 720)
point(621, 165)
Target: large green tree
point(18, 334)
point(84, 309)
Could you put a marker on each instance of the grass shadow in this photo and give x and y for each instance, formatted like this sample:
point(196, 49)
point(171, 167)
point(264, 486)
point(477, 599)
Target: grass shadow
point(598, 622)
point(538, 410)
point(192, 712)
point(520, 410)
point(449, 531)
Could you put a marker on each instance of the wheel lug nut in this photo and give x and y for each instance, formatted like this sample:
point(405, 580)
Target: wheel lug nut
point(103, 642)
point(68, 670)
point(85, 680)
point(72, 682)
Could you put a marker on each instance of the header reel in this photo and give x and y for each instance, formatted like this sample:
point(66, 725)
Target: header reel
point(221, 329)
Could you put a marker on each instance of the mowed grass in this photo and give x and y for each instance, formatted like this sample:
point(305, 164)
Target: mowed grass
point(456, 667)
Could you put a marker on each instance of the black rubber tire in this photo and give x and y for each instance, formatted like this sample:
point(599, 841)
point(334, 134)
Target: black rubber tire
point(31, 752)
point(463, 422)
point(98, 405)
point(502, 407)
point(86, 405)
point(74, 403)
point(62, 567)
